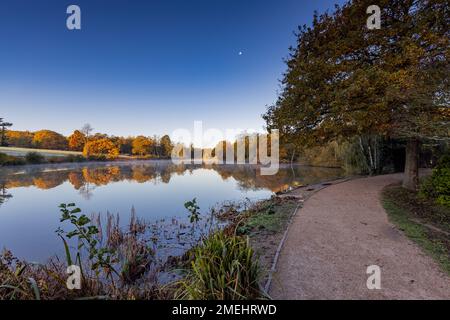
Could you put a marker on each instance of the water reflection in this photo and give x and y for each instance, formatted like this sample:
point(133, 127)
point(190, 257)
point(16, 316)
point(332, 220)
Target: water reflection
point(4, 195)
point(29, 196)
point(87, 178)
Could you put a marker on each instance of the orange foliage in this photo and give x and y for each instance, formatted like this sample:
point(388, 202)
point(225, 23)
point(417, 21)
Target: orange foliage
point(101, 148)
point(46, 139)
point(142, 145)
point(77, 141)
point(23, 139)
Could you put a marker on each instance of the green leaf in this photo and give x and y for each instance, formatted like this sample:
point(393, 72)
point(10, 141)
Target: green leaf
point(35, 288)
point(66, 248)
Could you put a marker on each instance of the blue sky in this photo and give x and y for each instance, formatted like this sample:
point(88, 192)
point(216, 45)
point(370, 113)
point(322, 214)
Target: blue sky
point(145, 67)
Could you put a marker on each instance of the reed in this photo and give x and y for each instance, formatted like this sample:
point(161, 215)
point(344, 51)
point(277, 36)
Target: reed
point(223, 268)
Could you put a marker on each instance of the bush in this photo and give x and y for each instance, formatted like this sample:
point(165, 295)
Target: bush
point(75, 158)
point(34, 158)
point(7, 160)
point(223, 268)
point(69, 158)
point(438, 185)
point(3, 158)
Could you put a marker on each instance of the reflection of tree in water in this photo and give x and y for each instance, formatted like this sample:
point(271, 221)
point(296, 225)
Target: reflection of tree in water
point(4, 195)
point(86, 191)
point(76, 180)
point(102, 176)
point(87, 178)
point(143, 173)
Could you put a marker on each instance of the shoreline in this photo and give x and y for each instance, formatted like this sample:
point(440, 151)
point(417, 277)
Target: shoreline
point(136, 160)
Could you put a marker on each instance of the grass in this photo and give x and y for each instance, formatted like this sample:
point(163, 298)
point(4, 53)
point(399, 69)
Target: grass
point(424, 222)
point(13, 151)
point(121, 263)
point(37, 158)
point(269, 216)
point(223, 268)
point(12, 156)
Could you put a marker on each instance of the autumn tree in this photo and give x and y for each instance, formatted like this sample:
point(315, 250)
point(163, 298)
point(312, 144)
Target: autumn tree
point(142, 145)
point(102, 148)
point(46, 139)
point(3, 137)
point(77, 140)
point(125, 145)
point(343, 80)
point(86, 130)
point(98, 136)
point(23, 139)
point(166, 146)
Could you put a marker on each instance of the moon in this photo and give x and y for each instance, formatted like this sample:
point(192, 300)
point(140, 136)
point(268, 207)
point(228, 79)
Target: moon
point(240, 53)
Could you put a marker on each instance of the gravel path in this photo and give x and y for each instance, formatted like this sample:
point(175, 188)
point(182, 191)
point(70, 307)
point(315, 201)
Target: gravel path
point(338, 233)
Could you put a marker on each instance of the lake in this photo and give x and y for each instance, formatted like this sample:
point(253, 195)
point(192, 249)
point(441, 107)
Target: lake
point(157, 190)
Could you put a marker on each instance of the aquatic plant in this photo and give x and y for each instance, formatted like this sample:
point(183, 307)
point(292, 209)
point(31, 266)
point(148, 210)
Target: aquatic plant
point(125, 263)
point(100, 258)
point(193, 208)
point(223, 268)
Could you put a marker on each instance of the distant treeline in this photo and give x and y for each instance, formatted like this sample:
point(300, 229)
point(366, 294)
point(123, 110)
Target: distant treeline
point(98, 143)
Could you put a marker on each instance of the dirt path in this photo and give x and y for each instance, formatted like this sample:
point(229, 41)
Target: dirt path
point(338, 233)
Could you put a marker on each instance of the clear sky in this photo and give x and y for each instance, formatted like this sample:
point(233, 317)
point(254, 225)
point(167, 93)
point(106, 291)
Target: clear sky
point(145, 67)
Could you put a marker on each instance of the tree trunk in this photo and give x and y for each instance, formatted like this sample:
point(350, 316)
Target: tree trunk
point(411, 175)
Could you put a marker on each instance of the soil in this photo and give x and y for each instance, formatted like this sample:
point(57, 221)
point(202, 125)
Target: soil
point(340, 231)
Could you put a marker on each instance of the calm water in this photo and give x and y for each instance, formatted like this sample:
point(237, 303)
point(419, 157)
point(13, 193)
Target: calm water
point(29, 197)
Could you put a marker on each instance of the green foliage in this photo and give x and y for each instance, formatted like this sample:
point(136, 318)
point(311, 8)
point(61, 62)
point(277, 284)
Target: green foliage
point(193, 208)
point(271, 215)
point(3, 135)
point(34, 158)
point(75, 158)
point(353, 159)
point(224, 268)
point(438, 185)
point(343, 80)
point(408, 215)
point(322, 156)
point(85, 232)
point(7, 160)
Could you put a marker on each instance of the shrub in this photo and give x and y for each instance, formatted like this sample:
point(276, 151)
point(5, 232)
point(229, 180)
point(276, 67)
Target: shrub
point(75, 158)
point(223, 268)
point(34, 158)
point(438, 185)
point(7, 160)
point(3, 158)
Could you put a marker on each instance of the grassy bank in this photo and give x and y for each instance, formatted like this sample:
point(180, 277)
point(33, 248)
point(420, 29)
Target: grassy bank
point(423, 221)
point(21, 152)
point(229, 262)
point(34, 157)
point(10, 156)
point(123, 263)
